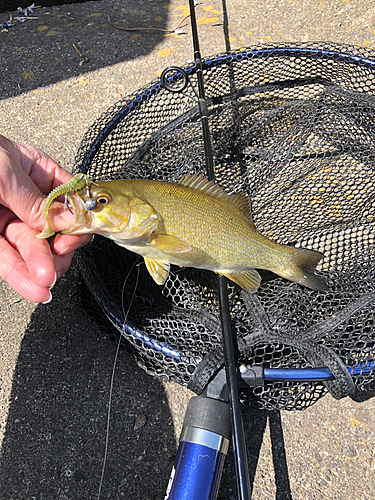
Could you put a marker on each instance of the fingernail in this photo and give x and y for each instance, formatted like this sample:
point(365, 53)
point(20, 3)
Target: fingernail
point(54, 281)
point(49, 299)
point(71, 248)
point(66, 250)
point(67, 216)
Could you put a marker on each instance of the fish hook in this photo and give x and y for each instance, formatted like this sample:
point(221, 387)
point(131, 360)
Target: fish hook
point(72, 188)
point(90, 203)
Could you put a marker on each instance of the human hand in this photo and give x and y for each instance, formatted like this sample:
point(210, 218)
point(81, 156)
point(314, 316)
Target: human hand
point(31, 265)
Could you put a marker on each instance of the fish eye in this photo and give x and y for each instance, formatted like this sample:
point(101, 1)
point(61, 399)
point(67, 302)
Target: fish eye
point(103, 199)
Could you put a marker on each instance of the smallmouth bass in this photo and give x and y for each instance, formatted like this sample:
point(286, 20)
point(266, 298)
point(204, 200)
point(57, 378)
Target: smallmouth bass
point(193, 223)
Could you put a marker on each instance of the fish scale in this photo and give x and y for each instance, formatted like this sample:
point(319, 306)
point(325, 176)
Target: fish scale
point(225, 233)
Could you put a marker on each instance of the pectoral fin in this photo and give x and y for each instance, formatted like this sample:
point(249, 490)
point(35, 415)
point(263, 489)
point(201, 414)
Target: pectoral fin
point(169, 244)
point(250, 279)
point(158, 270)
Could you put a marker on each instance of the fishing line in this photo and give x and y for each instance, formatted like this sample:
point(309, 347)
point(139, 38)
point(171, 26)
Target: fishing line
point(135, 264)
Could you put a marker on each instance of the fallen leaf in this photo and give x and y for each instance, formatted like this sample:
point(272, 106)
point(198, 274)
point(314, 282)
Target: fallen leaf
point(140, 421)
point(27, 74)
point(164, 52)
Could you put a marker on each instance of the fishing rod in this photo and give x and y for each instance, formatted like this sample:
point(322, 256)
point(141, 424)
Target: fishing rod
point(238, 436)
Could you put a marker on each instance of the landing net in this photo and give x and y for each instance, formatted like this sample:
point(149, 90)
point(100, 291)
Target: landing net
point(293, 127)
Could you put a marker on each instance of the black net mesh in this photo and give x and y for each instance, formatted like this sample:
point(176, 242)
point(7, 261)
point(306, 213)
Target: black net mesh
point(293, 127)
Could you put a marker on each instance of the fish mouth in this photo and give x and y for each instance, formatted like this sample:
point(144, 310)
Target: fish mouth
point(82, 221)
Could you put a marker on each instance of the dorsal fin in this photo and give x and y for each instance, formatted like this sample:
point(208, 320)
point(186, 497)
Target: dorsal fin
point(198, 181)
point(242, 202)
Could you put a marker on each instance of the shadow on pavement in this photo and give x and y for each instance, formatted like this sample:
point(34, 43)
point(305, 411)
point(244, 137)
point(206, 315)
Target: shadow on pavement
point(55, 437)
point(54, 443)
point(255, 423)
point(40, 52)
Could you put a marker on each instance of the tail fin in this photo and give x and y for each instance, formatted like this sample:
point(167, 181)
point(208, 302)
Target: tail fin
point(300, 268)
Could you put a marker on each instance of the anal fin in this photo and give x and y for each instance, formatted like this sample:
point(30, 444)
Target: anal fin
point(249, 280)
point(158, 270)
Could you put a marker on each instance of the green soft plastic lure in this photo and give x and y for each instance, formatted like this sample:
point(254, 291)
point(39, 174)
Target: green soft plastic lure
point(77, 182)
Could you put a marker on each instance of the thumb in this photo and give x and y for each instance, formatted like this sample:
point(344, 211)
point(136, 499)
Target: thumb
point(59, 216)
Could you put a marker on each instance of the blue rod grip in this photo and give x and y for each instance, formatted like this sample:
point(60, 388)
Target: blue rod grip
point(198, 466)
